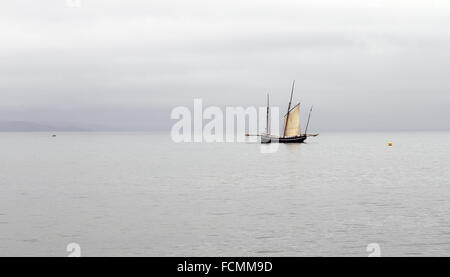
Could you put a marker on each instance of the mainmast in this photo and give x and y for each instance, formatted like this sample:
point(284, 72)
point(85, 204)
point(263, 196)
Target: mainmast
point(289, 108)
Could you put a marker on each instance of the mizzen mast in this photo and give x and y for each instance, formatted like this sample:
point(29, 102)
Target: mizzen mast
point(267, 116)
point(307, 124)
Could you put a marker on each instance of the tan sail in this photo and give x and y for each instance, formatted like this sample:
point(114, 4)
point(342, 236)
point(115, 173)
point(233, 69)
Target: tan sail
point(293, 124)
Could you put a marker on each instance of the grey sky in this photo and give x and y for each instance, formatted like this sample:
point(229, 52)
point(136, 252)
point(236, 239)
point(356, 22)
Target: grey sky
point(382, 65)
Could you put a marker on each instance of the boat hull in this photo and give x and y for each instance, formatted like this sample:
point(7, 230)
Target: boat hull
point(296, 139)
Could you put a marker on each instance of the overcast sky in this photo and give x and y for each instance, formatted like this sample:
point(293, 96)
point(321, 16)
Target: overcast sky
point(378, 66)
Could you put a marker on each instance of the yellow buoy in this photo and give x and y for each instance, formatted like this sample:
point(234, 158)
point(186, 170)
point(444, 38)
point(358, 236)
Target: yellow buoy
point(389, 143)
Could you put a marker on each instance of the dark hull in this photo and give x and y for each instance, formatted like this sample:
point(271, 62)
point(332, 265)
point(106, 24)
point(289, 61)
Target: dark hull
point(297, 139)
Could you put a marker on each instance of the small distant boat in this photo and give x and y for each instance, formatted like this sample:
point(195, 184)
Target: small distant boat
point(53, 136)
point(291, 131)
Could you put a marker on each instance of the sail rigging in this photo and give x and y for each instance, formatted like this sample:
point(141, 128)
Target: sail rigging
point(292, 122)
point(289, 109)
point(291, 129)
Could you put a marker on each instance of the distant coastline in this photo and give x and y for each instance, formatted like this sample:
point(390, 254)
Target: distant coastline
point(25, 126)
point(29, 126)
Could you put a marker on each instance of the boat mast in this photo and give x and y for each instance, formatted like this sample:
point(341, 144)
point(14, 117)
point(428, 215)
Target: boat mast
point(307, 124)
point(267, 117)
point(289, 108)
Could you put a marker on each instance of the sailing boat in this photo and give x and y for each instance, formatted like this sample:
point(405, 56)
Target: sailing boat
point(291, 131)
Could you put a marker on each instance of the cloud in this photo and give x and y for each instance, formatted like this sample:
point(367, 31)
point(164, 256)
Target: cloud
point(138, 59)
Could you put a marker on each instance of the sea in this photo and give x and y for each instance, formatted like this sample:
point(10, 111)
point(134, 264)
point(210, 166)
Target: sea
point(141, 194)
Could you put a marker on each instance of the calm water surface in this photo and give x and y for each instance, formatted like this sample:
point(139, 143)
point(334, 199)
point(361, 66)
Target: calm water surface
point(140, 194)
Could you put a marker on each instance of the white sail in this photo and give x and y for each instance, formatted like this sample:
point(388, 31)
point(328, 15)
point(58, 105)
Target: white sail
point(292, 128)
